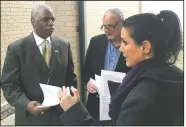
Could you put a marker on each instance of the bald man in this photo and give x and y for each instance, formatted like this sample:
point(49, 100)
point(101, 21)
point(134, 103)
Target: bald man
point(103, 53)
point(37, 58)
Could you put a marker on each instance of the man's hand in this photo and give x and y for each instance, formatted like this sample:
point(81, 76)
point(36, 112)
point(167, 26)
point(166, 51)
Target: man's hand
point(91, 87)
point(32, 108)
point(42, 110)
point(66, 100)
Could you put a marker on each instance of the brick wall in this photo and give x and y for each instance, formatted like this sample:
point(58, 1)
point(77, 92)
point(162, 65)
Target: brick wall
point(15, 24)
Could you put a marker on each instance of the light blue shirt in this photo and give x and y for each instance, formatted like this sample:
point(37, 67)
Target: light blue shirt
point(111, 57)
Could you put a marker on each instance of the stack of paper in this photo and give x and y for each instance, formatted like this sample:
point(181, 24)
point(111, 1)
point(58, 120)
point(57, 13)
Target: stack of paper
point(105, 92)
point(101, 82)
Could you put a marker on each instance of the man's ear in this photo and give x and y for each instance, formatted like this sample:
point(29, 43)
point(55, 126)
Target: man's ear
point(32, 21)
point(147, 47)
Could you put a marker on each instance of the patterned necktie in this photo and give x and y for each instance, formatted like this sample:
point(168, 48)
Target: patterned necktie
point(46, 52)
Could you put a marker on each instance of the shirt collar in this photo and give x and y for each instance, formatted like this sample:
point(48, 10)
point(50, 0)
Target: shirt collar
point(40, 40)
point(113, 46)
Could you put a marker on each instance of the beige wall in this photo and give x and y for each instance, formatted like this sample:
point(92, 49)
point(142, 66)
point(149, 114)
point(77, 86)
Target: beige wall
point(15, 24)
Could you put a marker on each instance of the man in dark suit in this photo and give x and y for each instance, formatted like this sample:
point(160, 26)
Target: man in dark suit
point(37, 58)
point(103, 53)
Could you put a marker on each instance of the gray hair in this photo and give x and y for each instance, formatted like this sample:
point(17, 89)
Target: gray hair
point(115, 11)
point(36, 10)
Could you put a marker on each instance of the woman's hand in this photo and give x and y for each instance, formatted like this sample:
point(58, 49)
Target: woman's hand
point(66, 100)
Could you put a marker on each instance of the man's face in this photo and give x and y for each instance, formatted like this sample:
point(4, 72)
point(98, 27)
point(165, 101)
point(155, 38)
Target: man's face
point(111, 26)
point(43, 23)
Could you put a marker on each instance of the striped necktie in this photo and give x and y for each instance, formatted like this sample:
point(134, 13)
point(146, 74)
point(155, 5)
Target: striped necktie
point(46, 52)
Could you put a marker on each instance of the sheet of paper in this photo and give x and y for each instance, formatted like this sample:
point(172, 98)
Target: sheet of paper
point(98, 81)
point(50, 95)
point(93, 82)
point(105, 93)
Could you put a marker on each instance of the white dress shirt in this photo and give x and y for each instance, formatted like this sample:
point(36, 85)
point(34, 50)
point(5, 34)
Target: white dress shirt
point(40, 40)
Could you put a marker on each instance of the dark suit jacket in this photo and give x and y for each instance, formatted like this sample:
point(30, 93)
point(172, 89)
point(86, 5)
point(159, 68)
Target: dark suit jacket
point(94, 63)
point(25, 68)
point(156, 100)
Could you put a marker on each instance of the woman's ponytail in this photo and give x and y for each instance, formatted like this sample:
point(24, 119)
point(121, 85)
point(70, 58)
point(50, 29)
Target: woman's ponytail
point(172, 35)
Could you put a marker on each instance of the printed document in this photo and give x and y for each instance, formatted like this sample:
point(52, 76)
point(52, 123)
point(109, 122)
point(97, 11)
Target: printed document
point(105, 93)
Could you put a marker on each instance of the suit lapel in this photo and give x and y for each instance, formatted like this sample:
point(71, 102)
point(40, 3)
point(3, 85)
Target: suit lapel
point(35, 53)
point(121, 61)
point(55, 54)
point(103, 51)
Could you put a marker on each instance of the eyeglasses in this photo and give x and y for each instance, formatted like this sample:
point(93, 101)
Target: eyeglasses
point(110, 26)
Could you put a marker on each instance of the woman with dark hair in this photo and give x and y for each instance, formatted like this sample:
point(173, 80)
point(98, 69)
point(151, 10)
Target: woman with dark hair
point(152, 92)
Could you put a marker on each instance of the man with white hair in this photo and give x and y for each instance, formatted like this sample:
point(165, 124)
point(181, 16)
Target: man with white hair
point(37, 58)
